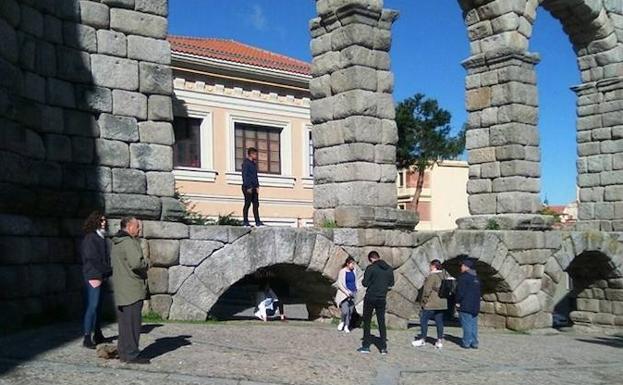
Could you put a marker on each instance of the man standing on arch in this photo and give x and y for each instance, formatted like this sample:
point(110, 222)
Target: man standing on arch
point(378, 279)
point(251, 188)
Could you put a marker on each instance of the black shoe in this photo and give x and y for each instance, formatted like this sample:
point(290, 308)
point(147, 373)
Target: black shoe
point(259, 224)
point(137, 361)
point(87, 342)
point(383, 352)
point(246, 224)
point(363, 350)
point(98, 338)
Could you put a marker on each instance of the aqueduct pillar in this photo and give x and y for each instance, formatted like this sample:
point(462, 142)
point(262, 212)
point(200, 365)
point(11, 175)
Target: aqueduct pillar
point(353, 112)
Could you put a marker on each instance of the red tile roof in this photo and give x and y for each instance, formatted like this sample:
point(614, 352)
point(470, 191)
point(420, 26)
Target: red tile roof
point(233, 51)
point(558, 209)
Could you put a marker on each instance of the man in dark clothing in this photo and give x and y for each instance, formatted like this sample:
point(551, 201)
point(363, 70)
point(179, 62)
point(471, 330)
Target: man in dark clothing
point(468, 303)
point(130, 288)
point(378, 279)
point(251, 188)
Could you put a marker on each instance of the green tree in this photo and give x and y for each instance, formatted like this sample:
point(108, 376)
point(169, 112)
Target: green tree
point(424, 137)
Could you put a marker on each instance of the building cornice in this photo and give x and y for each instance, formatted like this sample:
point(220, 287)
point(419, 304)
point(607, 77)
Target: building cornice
point(227, 66)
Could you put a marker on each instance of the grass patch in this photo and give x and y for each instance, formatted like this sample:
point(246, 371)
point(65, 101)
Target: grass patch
point(327, 224)
point(152, 317)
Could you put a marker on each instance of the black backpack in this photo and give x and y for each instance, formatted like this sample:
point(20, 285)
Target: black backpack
point(447, 287)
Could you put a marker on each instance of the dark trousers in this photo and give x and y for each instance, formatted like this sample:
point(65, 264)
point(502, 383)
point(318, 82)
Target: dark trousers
point(378, 306)
point(437, 315)
point(251, 198)
point(93, 309)
point(129, 319)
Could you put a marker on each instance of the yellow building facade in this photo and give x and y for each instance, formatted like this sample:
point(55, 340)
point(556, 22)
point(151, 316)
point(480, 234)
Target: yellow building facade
point(229, 97)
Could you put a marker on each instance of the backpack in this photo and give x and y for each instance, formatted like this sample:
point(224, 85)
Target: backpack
point(447, 287)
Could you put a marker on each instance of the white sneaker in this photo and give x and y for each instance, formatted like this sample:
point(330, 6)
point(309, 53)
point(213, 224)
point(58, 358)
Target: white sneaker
point(418, 343)
point(346, 329)
point(439, 344)
point(340, 327)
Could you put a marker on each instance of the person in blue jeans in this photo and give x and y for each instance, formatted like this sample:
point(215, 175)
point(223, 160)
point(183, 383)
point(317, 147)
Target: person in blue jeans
point(96, 269)
point(468, 295)
point(433, 306)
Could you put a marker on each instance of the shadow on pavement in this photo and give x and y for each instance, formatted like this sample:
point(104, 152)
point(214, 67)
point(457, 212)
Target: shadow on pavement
point(165, 345)
point(455, 340)
point(26, 345)
point(148, 328)
point(614, 341)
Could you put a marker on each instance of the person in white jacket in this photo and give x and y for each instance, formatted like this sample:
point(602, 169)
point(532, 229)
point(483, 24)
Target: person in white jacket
point(268, 303)
point(346, 291)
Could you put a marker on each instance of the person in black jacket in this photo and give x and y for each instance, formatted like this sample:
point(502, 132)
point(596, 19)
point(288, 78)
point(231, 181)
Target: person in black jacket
point(96, 269)
point(251, 188)
point(378, 279)
point(468, 302)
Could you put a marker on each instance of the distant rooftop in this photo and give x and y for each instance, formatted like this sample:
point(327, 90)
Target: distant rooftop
point(233, 51)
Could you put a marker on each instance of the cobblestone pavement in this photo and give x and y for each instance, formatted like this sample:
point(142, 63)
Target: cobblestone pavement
point(246, 353)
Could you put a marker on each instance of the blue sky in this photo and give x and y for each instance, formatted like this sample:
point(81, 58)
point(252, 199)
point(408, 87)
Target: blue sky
point(430, 41)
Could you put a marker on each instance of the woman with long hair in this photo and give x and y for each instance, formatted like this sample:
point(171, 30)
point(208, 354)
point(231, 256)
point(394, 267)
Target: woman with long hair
point(346, 290)
point(95, 270)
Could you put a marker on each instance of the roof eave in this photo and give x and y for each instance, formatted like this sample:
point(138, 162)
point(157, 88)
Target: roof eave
point(251, 69)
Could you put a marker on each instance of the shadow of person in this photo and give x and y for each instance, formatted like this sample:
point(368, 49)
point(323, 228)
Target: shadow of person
point(455, 340)
point(377, 342)
point(165, 345)
point(614, 341)
point(146, 329)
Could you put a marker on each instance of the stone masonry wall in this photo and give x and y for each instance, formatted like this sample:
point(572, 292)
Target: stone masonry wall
point(192, 266)
point(503, 139)
point(85, 111)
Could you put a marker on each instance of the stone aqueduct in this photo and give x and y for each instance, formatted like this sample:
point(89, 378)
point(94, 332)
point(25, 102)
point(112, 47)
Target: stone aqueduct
point(85, 112)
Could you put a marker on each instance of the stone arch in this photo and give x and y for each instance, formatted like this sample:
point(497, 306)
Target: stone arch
point(306, 294)
point(509, 297)
point(507, 25)
point(503, 140)
point(594, 262)
point(202, 285)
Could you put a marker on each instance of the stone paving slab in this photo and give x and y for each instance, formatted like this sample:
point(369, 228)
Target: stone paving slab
point(249, 352)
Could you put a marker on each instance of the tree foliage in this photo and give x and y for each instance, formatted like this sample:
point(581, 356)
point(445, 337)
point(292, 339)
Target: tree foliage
point(424, 137)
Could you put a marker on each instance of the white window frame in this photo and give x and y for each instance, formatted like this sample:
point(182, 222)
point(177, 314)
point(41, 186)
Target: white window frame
point(285, 179)
point(402, 176)
point(307, 179)
point(206, 172)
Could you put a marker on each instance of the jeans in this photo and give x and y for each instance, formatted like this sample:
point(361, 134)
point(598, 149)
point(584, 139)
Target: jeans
point(469, 323)
point(251, 198)
point(378, 306)
point(93, 310)
point(347, 307)
point(437, 315)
